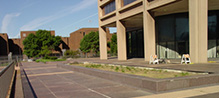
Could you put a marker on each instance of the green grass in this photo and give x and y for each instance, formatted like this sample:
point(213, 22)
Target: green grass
point(48, 60)
point(153, 73)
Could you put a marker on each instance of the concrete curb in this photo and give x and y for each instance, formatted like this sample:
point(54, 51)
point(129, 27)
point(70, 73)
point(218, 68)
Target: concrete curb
point(154, 85)
point(19, 87)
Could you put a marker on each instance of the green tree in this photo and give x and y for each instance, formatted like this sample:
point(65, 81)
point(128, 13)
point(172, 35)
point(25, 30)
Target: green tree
point(41, 44)
point(113, 44)
point(90, 42)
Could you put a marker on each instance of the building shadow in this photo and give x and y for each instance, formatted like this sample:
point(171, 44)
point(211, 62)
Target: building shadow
point(14, 48)
point(27, 87)
point(3, 47)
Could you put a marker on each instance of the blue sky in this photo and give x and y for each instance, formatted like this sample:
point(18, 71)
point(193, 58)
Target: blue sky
point(63, 16)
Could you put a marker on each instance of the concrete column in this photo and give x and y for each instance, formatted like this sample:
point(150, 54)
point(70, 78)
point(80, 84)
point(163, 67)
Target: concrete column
point(103, 43)
point(149, 34)
point(198, 28)
point(121, 41)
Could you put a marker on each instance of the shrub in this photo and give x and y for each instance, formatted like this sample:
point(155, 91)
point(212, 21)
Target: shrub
point(117, 68)
point(184, 74)
point(72, 54)
point(129, 69)
point(50, 57)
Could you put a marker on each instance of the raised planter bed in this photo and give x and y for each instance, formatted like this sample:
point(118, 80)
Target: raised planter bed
point(152, 84)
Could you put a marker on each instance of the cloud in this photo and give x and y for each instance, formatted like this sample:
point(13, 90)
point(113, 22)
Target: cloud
point(44, 20)
point(81, 20)
point(7, 20)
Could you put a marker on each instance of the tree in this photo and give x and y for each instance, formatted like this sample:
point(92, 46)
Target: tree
point(41, 44)
point(113, 44)
point(90, 42)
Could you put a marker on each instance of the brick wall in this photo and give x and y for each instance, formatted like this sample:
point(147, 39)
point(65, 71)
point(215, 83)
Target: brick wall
point(4, 48)
point(75, 37)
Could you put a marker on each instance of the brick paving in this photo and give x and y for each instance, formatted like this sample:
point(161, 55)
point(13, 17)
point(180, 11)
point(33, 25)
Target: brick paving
point(47, 81)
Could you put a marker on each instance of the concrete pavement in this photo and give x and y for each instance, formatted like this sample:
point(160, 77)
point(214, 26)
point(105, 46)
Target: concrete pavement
point(47, 81)
point(211, 91)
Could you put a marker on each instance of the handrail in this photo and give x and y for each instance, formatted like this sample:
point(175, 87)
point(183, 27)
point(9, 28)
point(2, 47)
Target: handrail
point(6, 80)
point(6, 68)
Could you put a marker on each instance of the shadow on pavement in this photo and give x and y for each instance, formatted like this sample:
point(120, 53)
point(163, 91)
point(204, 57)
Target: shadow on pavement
point(27, 87)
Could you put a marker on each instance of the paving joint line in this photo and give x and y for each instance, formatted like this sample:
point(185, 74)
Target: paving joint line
point(54, 73)
point(88, 88)
point(47, 88)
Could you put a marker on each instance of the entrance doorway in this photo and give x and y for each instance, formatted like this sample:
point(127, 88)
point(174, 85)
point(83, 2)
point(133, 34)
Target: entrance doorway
point(135, 43)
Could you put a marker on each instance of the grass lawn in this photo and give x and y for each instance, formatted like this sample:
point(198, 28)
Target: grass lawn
point(147, 72)
point(49, 60)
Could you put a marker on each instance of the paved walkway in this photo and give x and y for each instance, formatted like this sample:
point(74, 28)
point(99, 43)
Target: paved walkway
point(48, 81)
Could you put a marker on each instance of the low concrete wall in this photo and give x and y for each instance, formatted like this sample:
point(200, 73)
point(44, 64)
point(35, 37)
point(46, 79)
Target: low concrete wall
point(6, 80)
point(155, 85)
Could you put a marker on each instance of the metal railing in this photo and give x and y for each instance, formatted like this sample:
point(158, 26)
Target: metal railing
point(6, 80)
point(5, 60)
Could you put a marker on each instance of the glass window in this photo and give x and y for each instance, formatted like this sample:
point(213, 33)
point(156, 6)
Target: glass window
point(24, 35)
point(212, 49)
point(126, 2)
point(182, 27)
point(173, 35)
point(135, 44)
point(109, 7)
point(165, 28)
point(212, 23)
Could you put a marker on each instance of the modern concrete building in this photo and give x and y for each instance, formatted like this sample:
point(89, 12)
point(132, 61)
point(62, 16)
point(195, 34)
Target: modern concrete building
point(168, 28)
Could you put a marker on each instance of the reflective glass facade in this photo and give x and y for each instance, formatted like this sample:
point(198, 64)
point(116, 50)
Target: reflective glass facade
point(126, 2)
point(109, 7)
point(172, 35)
point(135, 44)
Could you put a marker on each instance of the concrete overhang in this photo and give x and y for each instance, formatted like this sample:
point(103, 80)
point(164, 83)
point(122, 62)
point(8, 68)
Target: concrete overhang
point(178, 6)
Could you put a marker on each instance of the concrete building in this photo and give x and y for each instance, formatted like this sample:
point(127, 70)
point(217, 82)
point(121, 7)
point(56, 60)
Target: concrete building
point(4, 46)
point(76, 36)
point(168, 28)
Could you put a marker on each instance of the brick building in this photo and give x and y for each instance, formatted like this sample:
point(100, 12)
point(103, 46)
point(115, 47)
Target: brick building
point(76, 36)
point(4, 47)
point(65, 43)
point(15, 46)
point(24, 34)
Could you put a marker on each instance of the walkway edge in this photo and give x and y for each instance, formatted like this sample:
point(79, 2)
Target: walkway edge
point(154, 85)
point(19, 88)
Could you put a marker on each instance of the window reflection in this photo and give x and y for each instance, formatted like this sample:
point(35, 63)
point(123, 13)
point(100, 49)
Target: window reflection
point(109, 7)
point(126, 2)
point(173, 35)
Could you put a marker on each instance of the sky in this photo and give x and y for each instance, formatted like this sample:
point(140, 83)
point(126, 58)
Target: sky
point(63, 16)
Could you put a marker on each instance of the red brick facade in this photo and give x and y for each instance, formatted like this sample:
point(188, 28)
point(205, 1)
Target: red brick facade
point(15, 45)
point(4, 47)
point(76, 36)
